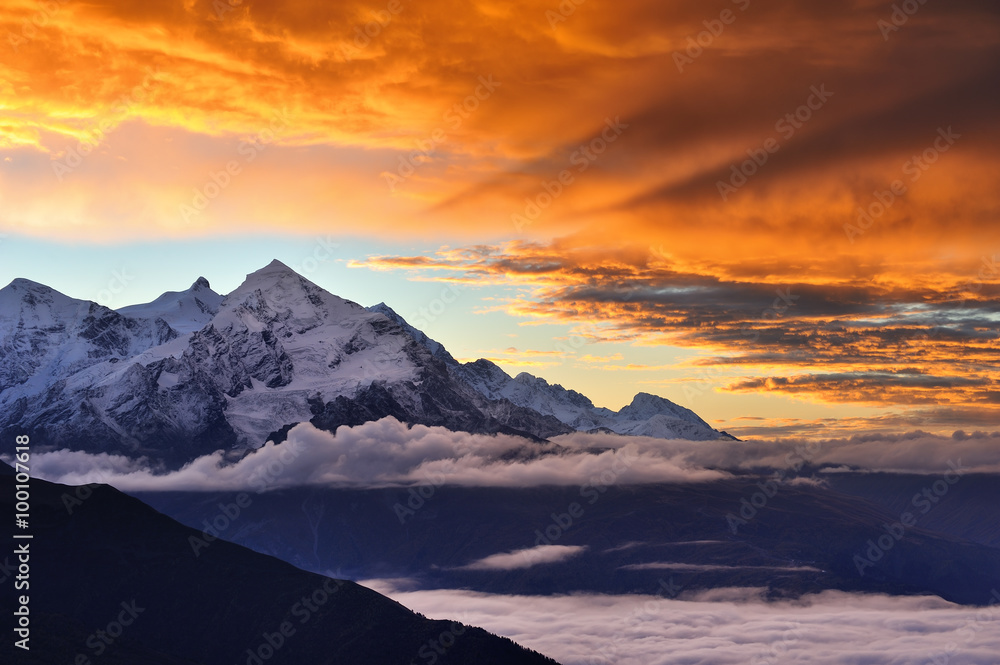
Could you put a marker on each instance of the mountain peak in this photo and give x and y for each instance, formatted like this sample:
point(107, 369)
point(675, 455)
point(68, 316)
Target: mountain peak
point(184, 311)
point(647, 401)
point(21, 292)
point(436, 348)
point(266, 278)
point(275, 266)
point(22, 284)
point(646, 405)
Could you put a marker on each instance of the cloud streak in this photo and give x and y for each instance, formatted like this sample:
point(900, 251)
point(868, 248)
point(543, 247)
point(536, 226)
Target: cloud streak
point(526, 558)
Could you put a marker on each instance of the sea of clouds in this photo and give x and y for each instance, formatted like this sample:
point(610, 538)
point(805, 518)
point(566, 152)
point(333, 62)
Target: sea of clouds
point(388, 453)
point(725, 626)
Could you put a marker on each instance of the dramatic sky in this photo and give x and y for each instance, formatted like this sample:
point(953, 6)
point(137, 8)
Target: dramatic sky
point(779, 214)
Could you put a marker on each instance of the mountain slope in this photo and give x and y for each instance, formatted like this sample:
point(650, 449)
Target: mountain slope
point(46, 336)
point(279, 350)
point(114, 552)
point(647, 415)
point(193, 372)
point(184, 311)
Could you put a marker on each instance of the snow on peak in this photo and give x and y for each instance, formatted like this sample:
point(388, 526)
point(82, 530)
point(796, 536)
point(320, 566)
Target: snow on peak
point(22, 284)
point(275, 266)
point(184, 311)
point(275, 276)
point(436, 348)
point(276, 291)
point(532, 380)
point(39, 305)
point(645, 406)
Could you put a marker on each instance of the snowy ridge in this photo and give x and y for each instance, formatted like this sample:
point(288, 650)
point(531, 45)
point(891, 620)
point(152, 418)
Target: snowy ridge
point(647, 415)
point(193, 372)
point(184, 311)
point(46, 336)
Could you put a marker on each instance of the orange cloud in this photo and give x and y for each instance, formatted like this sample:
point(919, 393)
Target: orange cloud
point(793, 187)
point(878, 342)
point(455, 120)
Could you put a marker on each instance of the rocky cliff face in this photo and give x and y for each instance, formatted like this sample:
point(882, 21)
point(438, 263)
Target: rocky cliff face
point(279, 350)
point(193, 372)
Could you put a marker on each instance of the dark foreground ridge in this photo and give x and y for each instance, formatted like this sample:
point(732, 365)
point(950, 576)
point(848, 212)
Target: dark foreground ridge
point(116, 582)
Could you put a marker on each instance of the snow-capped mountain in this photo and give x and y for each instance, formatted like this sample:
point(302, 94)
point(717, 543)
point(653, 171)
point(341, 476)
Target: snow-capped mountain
point(647, 415)
point(278, 351)
point(193, 372)
point(184, 311)
point(47, 337)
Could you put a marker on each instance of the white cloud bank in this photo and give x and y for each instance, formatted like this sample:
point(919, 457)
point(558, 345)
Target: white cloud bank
point(526, 558)
point(384, 453)
point(388, 453)
point(912, 452)
point(733, 628)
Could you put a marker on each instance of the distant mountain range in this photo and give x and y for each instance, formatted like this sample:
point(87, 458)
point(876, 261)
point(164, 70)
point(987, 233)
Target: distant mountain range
point(193, 372)
point(804, 541)
point(116, 582)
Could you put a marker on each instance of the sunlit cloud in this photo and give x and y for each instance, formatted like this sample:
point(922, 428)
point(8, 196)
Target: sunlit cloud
point(806, 186)
point(917, 343)
point(451, 113)
point(387, 453)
